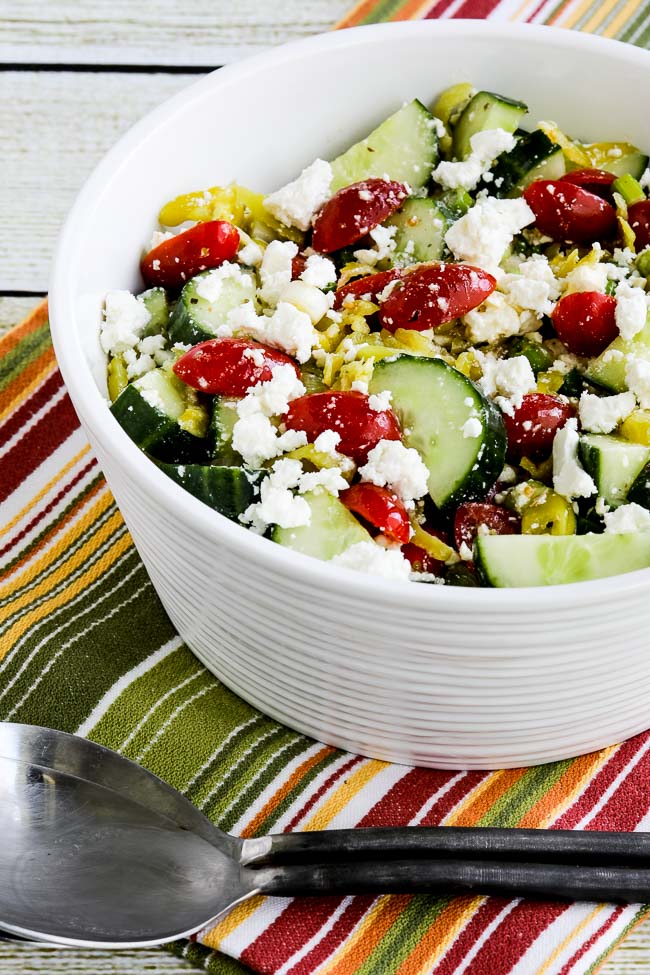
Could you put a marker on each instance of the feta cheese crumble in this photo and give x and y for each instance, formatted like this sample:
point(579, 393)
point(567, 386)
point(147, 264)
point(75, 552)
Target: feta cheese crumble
point(125, 318)
point(602, 414)
point(296, 203)
point(485, 147)
point(275, 270)
point(628, 519)
point(209, 286)
point(569, 477)
point(305, 297)
point(384, 246)
point(278, 505)
point(368, 557)
point(494, 319)
point(254, 436)
point(533, 287)
point(327, 442)
point(380, 401)
point(506, 381)
point(288, 328)
point(401, 469)
point(484, 233)
point(319, 271)
point(631, 310)
point(472, 428)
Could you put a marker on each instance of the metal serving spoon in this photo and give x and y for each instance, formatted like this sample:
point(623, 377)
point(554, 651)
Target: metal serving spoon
point(96, 851)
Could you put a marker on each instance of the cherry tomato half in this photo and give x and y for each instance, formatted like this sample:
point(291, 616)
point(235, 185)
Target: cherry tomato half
point(381, 508)
point(354, 211)
point(638, 216)
point(229, 367)
point(433, 294)
point(586, 322)
point(597, 181)
point(177, 260)
point(564, 211)
point(534, 424)
point(421, 561)
point(348, 413)
point(368, 287)
point(471, 515)
point(298, 265)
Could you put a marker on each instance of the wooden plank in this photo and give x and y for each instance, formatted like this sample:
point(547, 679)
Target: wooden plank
point(56, 126)
point(204, 32)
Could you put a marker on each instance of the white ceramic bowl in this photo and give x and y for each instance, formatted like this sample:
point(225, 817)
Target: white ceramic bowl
point(412, 673)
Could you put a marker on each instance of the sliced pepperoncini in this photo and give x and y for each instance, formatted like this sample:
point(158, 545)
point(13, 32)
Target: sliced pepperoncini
point(548, 514)
point(637, 427)
point(117, 377)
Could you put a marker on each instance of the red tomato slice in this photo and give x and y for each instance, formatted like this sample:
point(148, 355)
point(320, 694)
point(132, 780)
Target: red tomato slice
point(564, 211)
point(177, 260)
point(348, 413)
point(534, 424)
point(433, 294)
point(597, 181)
point(586, 322)
point(298, 265)
point(381, 508)
point(354, 211)
point(421, 561)
point(367, 287)
point(638, 216)
point(229, 367)
point(471, 515)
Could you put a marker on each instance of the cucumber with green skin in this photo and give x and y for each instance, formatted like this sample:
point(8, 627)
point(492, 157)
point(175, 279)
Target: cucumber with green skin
point(149, 410)
point(506, 561)
point(420, 228)
point(486, 110)
point(613, 463)
point(639, 493)
point(223, 419)
point(403, 148)
point(157, 304)
point(331, 530)
point(433, 402)
point(229, 490)
point(196, 319)
point(533, 157)
point(608, 369)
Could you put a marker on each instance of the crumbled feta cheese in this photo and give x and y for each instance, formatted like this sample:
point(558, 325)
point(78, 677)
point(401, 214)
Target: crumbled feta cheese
point(209, 285)
point(390, 464)
point(359, 386)
point(275, 270)
point(319, 271)
point(250, 254)
point(637, 377)
point(384, 239)
point(506, 381)
point(465, 552)
point(296, 203)
point(327, 441)
point(374, 560)
point(631, 310)
point(159, 237)
point(534, 287)
point(256, 355)
point(380, 401)
point(438, 126)
point(628, 519)
point(484, 233)
point(272, 397)
point(472, 428)
point(494, 319)
point(587, 276)
point(485, 147)
point(329, 478)
point(148, 353)
point(287, 328)
point(278, 505)
point(306, 298)
point(255, 437)
point(601, 414)
point(569, 477)
point(125, 318)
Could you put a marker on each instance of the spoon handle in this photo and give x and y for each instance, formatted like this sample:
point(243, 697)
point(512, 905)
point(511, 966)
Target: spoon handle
point(548, 881)
point(440, 842)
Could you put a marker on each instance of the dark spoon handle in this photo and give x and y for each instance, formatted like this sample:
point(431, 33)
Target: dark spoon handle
point(444, 842)
point(547, 881)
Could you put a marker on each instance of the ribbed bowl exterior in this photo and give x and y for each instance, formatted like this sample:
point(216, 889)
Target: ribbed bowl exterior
point(427, 675)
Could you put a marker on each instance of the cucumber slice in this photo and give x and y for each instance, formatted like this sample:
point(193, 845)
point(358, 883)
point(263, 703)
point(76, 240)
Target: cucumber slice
point(549, 560)
point(332, 529)
point(196, 319)
point(433, 402)
point(640, 490)
point(151, 411)
point(155, 300)
point(229, 490)
point(404, 147)
point(608, 370)
point(486, 110)
point(519, 167)
point(420, 234)
point(613, 463)
point(617, 157)
point(224, 417)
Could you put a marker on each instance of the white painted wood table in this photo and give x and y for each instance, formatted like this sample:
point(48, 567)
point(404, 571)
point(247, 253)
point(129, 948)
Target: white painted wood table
point(74, 75)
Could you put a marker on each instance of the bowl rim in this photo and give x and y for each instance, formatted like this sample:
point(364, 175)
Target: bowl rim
point(188, 510)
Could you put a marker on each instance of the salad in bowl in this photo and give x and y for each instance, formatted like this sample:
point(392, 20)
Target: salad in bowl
point(427, 359)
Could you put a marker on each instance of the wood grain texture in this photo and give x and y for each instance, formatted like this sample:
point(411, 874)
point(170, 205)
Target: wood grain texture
point(158, 32)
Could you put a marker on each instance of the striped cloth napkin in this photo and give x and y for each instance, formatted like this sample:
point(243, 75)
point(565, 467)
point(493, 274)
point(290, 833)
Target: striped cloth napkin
point(86, 647)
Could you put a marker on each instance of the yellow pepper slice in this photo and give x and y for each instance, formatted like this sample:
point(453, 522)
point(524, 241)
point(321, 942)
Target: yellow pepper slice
point(548, 514)
point(637, 427)
point(116, 377)
point(431, 545)
point(194, 419)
